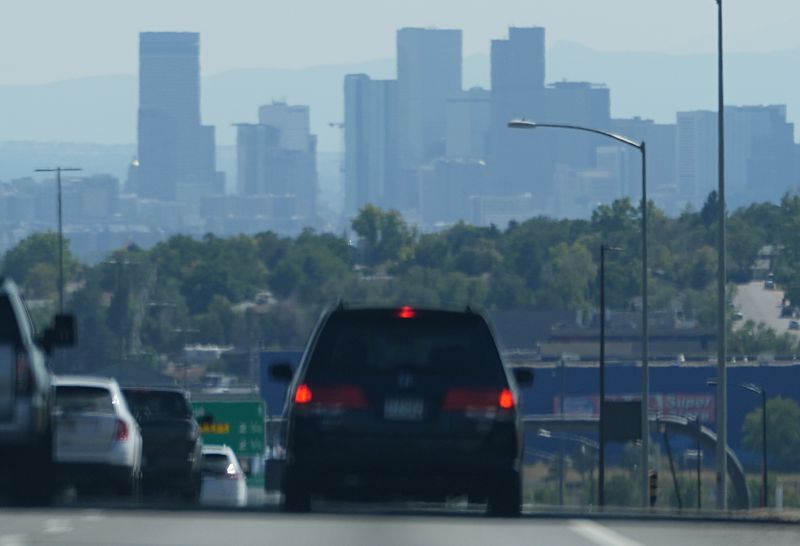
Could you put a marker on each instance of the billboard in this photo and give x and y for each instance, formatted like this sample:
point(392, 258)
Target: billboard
point(683, 404)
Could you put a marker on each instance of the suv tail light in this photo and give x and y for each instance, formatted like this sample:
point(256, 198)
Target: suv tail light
point(331, 396)
point(478, 399)
point(24, 379)
point(122, 430)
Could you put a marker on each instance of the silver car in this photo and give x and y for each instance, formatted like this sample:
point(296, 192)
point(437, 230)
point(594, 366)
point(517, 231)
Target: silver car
point(98, 441)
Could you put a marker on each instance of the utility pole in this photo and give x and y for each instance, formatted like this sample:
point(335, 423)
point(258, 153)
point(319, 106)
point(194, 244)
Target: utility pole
point(722, 372)
point(58, 171)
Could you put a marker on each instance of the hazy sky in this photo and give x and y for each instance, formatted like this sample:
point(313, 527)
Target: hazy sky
point(49, 40)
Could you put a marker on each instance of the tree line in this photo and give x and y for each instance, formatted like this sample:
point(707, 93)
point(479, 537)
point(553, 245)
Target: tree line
point(146, 303)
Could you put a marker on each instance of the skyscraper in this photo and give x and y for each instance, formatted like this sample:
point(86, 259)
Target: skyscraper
point(370, 133)
point(428, 73)
point(278, 157)
point(519, 160)
point(577, 103)
point(697, 159)
point(468, 119)
point(175, 151)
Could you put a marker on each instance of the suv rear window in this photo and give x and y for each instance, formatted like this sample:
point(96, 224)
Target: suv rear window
point(147, 405)
point(358, 343)
point(84, 400)
point(216, 463)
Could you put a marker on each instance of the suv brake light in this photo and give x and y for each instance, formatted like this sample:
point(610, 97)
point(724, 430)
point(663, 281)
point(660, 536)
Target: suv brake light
point(24, 383)
point(406, 312)
point(332, 396)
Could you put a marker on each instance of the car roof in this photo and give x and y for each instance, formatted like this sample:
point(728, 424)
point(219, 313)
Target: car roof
point(147, 388)
point(217, 449)
point(85, 381)
point(426, 308)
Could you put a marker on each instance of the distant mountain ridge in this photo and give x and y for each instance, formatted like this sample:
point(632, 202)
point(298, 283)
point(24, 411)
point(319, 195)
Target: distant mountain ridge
point(102, 109)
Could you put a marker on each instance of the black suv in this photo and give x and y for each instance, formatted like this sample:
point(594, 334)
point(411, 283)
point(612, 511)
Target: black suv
point(171, 440)
point(402, 403)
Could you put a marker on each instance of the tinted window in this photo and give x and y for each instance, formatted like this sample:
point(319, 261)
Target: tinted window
point(148, 405)
point(368, 343)
point(84, 399)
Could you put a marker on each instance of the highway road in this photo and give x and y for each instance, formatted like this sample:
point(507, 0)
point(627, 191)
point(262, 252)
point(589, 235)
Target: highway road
point(119, 527)
point(761, 305)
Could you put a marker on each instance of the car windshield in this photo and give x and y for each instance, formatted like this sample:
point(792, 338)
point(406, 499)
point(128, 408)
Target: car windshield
point(74, 399)
point(154, 405)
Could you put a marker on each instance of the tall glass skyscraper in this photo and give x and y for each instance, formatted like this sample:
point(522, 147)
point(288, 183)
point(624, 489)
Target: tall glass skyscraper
point(175, 151)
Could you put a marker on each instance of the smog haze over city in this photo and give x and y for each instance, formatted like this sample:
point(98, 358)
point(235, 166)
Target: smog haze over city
point(408, 252)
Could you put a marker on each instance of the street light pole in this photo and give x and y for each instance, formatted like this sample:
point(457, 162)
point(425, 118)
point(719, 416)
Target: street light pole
point(601, 455)
point(645, 422)
point(601, 497)
point(58, 171)
point(722, 374)
point(764, 482)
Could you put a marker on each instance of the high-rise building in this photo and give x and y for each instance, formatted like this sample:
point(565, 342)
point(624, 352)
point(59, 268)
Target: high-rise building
point(278, 156)
point(467, 120)
point(175, 151)
point(661, 141)
point(697, 156)
point(428, 73)
point(759, 144)
point(582, 104)
point(447, 189)
point(519, 160)
point(370, 135)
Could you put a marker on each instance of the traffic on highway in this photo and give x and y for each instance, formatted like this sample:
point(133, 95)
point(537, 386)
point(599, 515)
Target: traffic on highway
point(422, 272)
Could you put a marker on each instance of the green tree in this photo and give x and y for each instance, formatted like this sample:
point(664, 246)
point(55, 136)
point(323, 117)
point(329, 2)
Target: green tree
point(384, 234)
point(566, 277)
point(33, 264)
point(783, 433)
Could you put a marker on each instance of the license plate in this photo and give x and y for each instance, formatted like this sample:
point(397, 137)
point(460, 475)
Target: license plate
point(403, 409)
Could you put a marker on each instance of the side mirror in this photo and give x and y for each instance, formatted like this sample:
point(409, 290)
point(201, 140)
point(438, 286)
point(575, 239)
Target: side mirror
point(524, 376)
point(63, 333)
point(281, 372)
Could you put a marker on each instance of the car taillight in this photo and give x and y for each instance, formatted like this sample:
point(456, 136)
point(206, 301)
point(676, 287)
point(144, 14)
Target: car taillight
point(122, 430)
point(332, 396)
point(507, 399)
point(303, 395)
point(406, 312)
point(24, 382)
point(467, 399)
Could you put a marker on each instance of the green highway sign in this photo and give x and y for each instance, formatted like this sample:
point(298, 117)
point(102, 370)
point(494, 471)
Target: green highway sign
point(237, 424)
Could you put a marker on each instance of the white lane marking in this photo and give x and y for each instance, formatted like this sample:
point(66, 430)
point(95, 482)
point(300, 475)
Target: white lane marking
point(601, 535)
point(12, 540)
point(57, 526)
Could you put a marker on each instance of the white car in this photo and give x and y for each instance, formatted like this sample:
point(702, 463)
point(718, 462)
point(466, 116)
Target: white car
point(97, 439)
point(223, 479)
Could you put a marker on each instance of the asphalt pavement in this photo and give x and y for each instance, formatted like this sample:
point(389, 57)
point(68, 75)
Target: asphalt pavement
point(120, 527)
point(761, 305)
